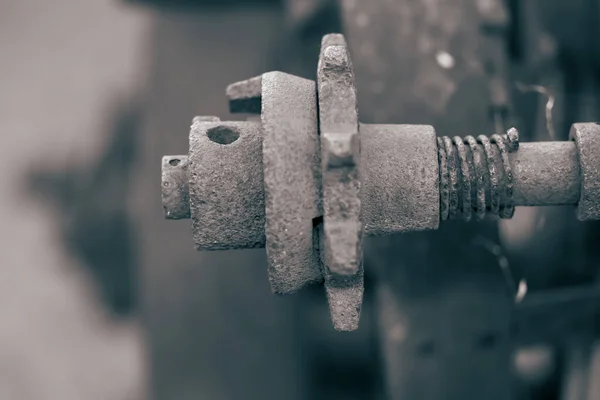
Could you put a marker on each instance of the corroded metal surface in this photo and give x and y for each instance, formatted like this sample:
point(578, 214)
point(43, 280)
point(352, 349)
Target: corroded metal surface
point(587, 139)
point(291, 180)
point(342, 231)
point(340, 157)
point(175, 188)
point(400, 178)
point(277, 183)
point(545, 173)
point(476, 176)
point(245, 96)
point(223, 158)
point(399, 197)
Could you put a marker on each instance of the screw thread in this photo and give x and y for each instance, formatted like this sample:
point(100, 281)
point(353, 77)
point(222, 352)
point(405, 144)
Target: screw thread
point(476, 176)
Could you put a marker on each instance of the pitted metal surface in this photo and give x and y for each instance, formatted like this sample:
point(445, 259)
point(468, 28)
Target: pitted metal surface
point(291, 180)
point(342, 231)
point(587, 140)
point(400, 191)
point(545, 173)
point(304, 186)
point(175, 188)
point(344, 296)
point(476, 176)
point(245, 96)
point(225, 157)
point(340, 153)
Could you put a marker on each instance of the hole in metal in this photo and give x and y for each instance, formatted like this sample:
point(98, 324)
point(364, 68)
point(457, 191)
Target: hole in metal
point(223, 134)
point(174, 162)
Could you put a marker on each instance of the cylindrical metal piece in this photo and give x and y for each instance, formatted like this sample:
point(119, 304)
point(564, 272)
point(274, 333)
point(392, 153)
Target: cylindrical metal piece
point(481, 177)
point(400, 189)
point(587, 140)
point(545, 174)
point(400, 183)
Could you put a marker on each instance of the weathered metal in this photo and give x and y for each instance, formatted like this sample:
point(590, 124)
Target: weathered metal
point(341, 233)
point(587, 139)
point(175, 188)
point(245, 96)
point(291, 180)
point(400, 179)
point(310, 198)
point(396, 197)
point(223, 158)
point(546, 173)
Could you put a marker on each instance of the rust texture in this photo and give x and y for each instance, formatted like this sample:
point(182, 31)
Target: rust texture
point(587, 139)
point(545, 173)
point(225, 175)
point(245, 96)
point(400, 178)
point(342, 230)
point(340, 157)
point(277, 183)
point(175, 188)
point(291, 180)
point(489, 179)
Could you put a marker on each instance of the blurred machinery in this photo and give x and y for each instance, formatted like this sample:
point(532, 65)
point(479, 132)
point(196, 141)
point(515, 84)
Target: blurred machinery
point(447, 318)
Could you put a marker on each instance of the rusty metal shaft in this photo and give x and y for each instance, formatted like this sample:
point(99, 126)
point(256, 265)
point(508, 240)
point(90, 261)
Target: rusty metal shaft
point(308, 181)
point(544, 174)
point(486, 177)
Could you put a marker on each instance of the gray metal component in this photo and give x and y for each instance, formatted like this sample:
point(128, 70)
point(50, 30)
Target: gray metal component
point(277, 183)
point(245, 96)
point(175, 188)
point(226, 185)
point(587, 140)
point(342, 232)
point(291, 180)
point(545, 173)
point(400, 179)
point(476, 176)
point(344, 294)
point(340, 158)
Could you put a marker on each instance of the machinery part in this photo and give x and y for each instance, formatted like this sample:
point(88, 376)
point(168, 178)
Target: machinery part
point(175, 188)
point(588, 146)
point(291, 181)
point(340, 157)
point(463, 171)
point(341, 233)
point(397, 198)
point(395, 179)
point(222, 157)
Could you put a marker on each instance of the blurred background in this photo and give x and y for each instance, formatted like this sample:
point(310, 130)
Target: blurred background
point(104, 299)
